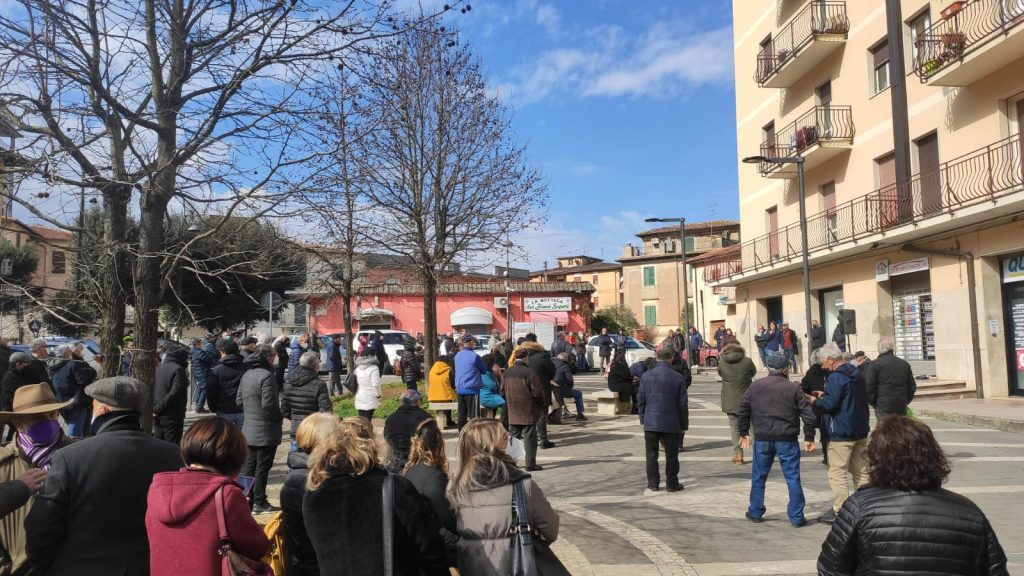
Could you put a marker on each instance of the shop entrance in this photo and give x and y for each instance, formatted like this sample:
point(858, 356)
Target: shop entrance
point(913, 321)
point(773, 308)
point(831, 302)
point(1013, 309)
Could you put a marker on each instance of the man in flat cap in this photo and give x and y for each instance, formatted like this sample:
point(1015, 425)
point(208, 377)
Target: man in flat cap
point(90, 516)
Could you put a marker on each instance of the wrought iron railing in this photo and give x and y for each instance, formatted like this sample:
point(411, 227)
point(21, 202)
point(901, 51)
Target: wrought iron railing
point(821, 124)
point(980, 176)
point(972, 26)
point(817, 18)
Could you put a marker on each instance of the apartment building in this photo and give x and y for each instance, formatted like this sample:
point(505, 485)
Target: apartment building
point(652, 273)
point(907, 116)
point(606, 277)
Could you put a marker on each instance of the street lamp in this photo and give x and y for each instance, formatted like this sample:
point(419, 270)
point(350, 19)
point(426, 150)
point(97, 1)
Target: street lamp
point(799, 161)
point(684, 305)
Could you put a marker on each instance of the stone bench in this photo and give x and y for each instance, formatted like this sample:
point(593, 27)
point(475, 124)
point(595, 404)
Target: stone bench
point(608, 403)
point(440, 408)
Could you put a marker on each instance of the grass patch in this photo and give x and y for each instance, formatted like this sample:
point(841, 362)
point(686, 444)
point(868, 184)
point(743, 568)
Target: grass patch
point(390, 401)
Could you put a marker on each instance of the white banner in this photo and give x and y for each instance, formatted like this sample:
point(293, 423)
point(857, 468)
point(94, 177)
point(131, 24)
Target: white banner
point(548, 304)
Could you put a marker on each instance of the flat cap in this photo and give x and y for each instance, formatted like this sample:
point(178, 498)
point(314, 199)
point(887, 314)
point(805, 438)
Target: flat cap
point(777, 360)
point(19, 357)
point(123, 392)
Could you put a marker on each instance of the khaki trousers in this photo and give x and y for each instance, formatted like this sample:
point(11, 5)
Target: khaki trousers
point(846, 458)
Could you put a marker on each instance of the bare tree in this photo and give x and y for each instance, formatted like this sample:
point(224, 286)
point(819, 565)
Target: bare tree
point(440, 169)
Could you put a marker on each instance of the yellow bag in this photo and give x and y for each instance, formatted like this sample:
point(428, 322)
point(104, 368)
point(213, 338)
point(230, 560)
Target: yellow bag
point(278, 556)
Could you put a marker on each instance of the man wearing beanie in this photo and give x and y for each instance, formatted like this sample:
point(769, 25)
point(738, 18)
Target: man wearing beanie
point(773, 406)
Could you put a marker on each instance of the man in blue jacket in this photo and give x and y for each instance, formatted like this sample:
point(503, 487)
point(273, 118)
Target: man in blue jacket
point(696, 342)
point(844, 407)
point(469, 370)
point(202, 362)
point(662, 405)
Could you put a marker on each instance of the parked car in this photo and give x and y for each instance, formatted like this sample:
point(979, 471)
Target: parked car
point(325, 340)
point(392, 341)
point(709, 356)
point(90, 350)
point(636, 350)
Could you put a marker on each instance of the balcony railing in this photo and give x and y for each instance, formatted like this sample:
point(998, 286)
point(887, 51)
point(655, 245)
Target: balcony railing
point(818, 18)
point(821, 125)
point(980, 176)
point(975, 24)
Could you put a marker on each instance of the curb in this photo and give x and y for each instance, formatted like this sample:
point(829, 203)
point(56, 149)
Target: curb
point(975, 420)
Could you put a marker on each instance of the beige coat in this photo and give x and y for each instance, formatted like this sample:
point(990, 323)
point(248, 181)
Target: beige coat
point(484, 543)
point(12, 526)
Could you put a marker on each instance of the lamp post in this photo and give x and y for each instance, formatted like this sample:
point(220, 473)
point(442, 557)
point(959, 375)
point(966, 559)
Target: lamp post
point(684, 305)
point(799, 161)
point(508, 291)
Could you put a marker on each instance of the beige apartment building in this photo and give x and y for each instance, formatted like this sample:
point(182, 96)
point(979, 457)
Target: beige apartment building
point(606, 277)
point(652, 280)
point(913, 178)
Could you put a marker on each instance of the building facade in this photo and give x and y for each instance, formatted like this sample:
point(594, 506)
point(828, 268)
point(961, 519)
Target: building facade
point(910, 140)
point(652, 272)
point(605, 277)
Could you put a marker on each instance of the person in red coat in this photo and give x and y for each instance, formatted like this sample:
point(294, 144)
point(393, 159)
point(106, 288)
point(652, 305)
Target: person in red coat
point(181, 519)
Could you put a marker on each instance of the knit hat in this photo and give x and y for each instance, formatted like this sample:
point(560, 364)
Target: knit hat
point(777, 360)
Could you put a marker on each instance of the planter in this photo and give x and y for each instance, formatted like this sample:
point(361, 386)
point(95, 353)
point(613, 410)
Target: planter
point(952, 10)
point(930, 66)
point(953, 44)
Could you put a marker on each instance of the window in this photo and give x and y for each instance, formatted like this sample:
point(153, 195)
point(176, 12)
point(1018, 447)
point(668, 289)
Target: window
point(595, 303)
point(58, 263)
point(650, 315)
point(918, 27)
point(880, 61)
point(648, 275)
point(828, 204)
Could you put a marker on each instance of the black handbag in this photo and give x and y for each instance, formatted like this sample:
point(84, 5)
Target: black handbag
point(351, 383)
point(524, 562)
point(389, 525)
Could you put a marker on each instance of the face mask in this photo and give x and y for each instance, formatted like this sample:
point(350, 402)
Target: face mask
point(515, 449)
point(44, 432)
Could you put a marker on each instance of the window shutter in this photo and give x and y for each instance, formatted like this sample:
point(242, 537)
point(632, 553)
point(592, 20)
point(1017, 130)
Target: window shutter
point(881, 54)
point(886, 171)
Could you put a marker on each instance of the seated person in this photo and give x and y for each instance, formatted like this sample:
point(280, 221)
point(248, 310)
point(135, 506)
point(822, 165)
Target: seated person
point(564, 387)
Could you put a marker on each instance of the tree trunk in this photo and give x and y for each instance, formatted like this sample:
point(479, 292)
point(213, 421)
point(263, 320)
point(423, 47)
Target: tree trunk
point(148, 290)
point(346, 318)
point(112, 300)
point(429, 318)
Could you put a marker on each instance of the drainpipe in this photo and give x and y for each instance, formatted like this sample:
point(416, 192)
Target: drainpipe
point(973, 304)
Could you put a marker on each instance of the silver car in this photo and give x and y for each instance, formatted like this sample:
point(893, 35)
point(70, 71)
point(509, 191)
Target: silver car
point(636, 350)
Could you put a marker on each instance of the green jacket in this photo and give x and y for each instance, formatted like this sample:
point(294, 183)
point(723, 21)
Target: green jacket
point(736, 371)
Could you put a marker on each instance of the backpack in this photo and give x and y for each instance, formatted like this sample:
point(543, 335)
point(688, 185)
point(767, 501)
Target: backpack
point(278, 555)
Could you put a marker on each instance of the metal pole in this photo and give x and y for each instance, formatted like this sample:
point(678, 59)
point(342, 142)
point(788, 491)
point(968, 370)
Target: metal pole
point(508, 295)
point(686, 298)
point(803, 240)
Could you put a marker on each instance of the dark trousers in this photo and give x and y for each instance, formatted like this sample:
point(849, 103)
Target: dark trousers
point(257, 465)
point(169, 428)
point(542, 424)
point(651, 442)
point(334, 387)
point(469, 408)
point(366, 414)
point(694, 357)
point(528, 434)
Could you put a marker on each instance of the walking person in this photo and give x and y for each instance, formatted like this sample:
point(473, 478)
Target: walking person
point(904, 522)
point(604, 349)
point(696, 342)
point(335, 365)
point(259, 399)
point(186, 508)
point(525, 400)
point(368, 390)
point(844, 407)
point(304, 393)
point(737, 372)
point(170, 395)
point(889, 381)
point(314, 432)
point(469, 370)
point(482, 494)
point(343, 511)
point(222, 384)
point(663, 410)
point(773, 407)
point(70, 374)
point(90, 516)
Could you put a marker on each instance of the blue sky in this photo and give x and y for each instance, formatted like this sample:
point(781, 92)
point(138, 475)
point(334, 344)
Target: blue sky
point(627, 107)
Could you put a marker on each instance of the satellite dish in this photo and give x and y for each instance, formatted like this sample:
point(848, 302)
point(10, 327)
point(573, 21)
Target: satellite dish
point(271, 300)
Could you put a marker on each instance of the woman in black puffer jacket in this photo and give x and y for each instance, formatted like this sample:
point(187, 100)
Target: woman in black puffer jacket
point(412, 364)
point(304, 393)
point(904, 522)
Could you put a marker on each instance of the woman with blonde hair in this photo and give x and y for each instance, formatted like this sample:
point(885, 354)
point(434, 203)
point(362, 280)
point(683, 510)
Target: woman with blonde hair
point(482, 495)
point(343, 511)
point(427, 470)
point(314, 431)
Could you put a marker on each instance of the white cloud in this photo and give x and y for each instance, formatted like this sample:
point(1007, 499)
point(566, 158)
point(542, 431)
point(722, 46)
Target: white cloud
point(549, 18)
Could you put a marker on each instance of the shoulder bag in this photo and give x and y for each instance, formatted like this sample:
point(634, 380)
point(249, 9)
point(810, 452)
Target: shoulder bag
point(531, 556)
point(351, 383)
point(233, 563)
point(389, 524)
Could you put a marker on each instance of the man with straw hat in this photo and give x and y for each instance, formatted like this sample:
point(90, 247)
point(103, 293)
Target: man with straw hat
point(23, 462)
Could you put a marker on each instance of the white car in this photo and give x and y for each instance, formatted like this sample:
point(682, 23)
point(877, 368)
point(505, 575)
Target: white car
point(482, 348)
point(392, 341)
point(636, 350)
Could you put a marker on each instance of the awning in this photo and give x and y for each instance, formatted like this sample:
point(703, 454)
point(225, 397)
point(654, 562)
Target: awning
point(559, 318)
point(374, 313)
point(471, 315)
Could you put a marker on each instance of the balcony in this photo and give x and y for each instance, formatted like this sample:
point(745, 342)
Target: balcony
point(960, 193)
point(981, 38)
point(820, 135)
point(814, 33)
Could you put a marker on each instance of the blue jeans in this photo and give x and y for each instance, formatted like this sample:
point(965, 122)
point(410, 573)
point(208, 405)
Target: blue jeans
point(791, 357)
point(576, 395)
point(763, 352)
point(77, 420)
point(236, 419)
point(765, 452)
point(200, 395)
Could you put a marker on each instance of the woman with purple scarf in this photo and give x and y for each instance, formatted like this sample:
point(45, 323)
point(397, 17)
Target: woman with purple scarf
point(24, 461)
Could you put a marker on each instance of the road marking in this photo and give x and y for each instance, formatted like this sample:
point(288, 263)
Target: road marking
point(1011, 489)
point(789, 567)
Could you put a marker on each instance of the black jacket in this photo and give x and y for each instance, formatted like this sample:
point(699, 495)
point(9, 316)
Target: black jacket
point(890, 383)
point(883, 532)
point(817, 338)
point(70, 377)
point(620, 380)
point(431, 483)
point(170, 388)
point(303, 556)
point(398, 431)
point(679, 365)
point(90, 516)
point(605, 345)
point(563, 375)
point(344, 520)
point(814, 379)
point(282, 349)
point(5, 359)
point(14, 379)
point(261, 404)
point(412, 366)
point(774, 406)
point(540, 361)
point(304, 394)
point(222, 384)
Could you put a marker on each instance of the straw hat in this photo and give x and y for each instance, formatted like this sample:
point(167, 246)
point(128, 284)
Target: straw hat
point(34, 399)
